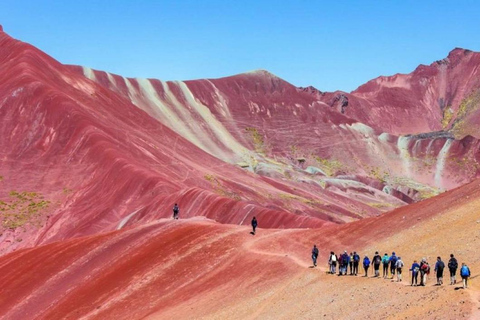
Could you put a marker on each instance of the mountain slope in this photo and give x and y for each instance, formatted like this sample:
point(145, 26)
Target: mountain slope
point(197, 268)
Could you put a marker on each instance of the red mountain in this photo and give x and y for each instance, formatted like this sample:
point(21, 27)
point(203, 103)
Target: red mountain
point(92, 163)
point(81, 156)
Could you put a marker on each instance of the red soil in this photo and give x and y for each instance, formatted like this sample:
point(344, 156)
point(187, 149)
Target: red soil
point(111, 155)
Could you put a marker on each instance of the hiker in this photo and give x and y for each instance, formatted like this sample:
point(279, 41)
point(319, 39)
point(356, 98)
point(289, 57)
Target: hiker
point(452, 267)
point(424, 271)
point(415, 270)
point(176, 210)
point(399, 265)
point(346, 262)
point(254, 224)
point(340, 264)
point(465, 273)
point(343, 263)
point(439, 266)
point(350, 262)
point(366, 265)
point(376, 263)
point(314, 255)
point(385, 261)
point(332, 261)
point(393, 261)
point(356, 261)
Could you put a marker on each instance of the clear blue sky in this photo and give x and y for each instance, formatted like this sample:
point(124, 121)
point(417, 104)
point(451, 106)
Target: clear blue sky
point(330, 45)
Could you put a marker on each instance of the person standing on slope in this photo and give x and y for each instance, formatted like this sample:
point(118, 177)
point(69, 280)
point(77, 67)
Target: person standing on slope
point(424, 271)
point(340, 264)
point(393, 261)
point(415, 270)
point(346, 262)
point(332, 261)
point(254, 224)
point(350, 262)
point(314, 255)
point(176, 210)
point(399, 265)
point(385, 261)
point(452, 267)
point(465, 273)
point(356, 261)
point(439, 266)
point(366, 265)
point(376, 263)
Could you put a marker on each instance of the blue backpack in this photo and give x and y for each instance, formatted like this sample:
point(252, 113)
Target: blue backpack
point(366, 262)
point(465, 272)
point(356, 257)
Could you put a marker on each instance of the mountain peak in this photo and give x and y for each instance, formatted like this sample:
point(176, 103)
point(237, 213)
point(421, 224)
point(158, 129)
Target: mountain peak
point(458, 53)
point(261, 72)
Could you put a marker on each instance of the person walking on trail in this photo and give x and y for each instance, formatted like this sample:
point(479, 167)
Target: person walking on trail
point(356, 261)
point(439, 266)
point(465, 273)
point(176, 210)
point(385, 262)
point(424, 271)
point(340, 264)
point(376, 263)
point(314, 255)
point(399, 266)
point(332, 261)
point(346, 262)
point(343, 263)
point(350, 262)
point(366, 265)
point(415, 270)
point(254, 224)
point(393, 261)
point(452, 267)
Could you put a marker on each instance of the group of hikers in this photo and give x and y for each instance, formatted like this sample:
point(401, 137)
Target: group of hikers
point(395, 265)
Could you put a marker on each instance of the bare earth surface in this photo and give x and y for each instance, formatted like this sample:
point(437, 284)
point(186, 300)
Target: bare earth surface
point(197, 268)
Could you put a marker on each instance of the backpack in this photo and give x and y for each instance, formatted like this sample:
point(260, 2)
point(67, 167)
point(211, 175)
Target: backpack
point(393, 260)
point(453, 264)
point(378, 259)
point(366, 262)
point(334, 258)
point(441, 265)
point(356, 258)
point(465, 272)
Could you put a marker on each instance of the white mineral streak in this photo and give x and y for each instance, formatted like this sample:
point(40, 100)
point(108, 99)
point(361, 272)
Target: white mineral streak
point(169, 110)
point(216, 127)
point(441, 159)
point(88, 72)
point(402, 145)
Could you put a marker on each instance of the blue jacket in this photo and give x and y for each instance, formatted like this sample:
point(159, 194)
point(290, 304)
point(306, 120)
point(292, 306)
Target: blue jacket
point(415, 266)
